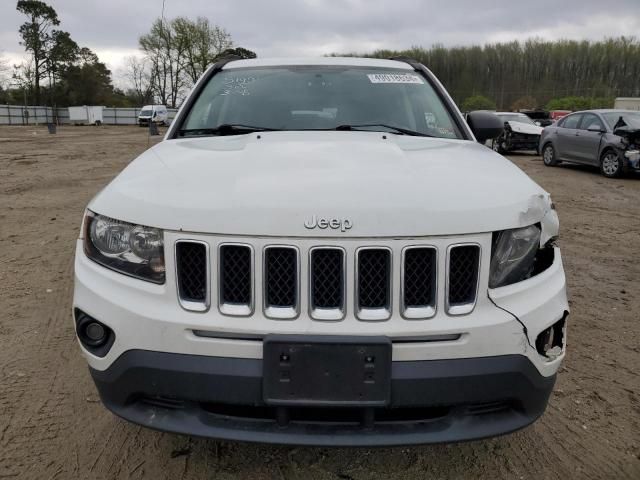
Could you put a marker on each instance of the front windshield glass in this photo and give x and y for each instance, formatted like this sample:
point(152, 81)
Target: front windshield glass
point(320, 98)
point(632, 119)
point(521, 118)
point(145, 113)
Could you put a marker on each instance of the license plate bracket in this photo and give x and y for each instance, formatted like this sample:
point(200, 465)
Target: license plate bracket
point(300, 370)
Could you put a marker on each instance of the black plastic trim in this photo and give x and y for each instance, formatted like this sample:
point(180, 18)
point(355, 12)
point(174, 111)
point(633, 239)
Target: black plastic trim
point(457, 387)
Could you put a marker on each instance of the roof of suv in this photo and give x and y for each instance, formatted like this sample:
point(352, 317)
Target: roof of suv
point(335, 61)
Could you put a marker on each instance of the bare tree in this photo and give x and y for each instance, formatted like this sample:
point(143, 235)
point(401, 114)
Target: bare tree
point(23, 78)
point(140, 78)
point(4, 70)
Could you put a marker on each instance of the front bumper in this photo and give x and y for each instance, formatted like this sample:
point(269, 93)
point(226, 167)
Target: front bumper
point(431, 401)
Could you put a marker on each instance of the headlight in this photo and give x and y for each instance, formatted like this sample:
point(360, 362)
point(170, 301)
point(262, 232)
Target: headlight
point(131, 249)
point(513, 255)
point(632, 155)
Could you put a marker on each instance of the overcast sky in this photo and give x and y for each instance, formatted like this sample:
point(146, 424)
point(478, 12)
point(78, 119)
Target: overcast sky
point(316, 27)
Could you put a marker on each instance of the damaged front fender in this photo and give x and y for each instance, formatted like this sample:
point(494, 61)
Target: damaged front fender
point(541, 209)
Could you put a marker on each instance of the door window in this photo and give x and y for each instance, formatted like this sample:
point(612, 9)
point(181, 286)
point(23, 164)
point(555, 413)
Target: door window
point(571, 121)
point(590, 120)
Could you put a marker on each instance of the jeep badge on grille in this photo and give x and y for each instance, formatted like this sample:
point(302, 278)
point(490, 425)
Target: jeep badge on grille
point(342, 224)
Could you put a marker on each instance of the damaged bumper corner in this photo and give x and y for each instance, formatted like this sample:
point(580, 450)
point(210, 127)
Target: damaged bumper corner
point(539, 303)
point(633, 158)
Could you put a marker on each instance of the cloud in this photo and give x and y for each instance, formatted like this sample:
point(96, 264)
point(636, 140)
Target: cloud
point(318, 27)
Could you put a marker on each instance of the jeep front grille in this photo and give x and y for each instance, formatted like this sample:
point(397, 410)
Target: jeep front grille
point(292, 277)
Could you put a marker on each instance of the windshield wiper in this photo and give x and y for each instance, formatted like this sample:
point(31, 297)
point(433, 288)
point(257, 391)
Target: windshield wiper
point(396, 130)
point(224, 129)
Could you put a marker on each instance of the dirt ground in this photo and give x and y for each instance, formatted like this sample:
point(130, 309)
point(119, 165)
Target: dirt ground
point(53, 426)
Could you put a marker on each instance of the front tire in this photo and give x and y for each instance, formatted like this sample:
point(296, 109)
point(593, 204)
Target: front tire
point(549, 156)
point(611, 164)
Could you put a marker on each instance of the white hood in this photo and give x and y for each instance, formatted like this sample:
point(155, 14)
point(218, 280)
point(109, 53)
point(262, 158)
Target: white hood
point(525, 128)
point(269, 184)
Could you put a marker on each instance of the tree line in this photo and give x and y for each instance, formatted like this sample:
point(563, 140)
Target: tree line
point(531, 74)
point(58, 72)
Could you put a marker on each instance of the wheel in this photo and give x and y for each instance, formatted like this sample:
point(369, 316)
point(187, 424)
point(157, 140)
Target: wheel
point(549, 156)
point(498, 145)
point(611, 164)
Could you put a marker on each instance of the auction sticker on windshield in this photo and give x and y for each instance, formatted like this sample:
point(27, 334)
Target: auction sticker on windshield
point(394, 78)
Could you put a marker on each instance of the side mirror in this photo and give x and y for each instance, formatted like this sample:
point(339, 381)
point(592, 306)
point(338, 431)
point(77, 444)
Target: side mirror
point(484, 125)
point(595, 128)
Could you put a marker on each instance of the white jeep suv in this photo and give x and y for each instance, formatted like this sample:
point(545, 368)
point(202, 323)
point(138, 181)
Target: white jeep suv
point(320, 252)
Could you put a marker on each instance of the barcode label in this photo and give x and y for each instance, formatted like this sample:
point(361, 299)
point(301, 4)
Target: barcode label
point(394, 78)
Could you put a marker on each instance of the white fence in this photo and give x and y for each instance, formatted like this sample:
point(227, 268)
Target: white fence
point(19, 115)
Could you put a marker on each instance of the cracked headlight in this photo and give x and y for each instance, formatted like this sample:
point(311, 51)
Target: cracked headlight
point(513, 255)
point(134, 250)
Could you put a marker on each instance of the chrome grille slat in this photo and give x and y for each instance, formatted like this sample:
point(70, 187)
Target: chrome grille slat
point(327, 283)
point(192, 274)
point(418, 283)
point(463, 268)
point(281, 284)
point(419, 277)
point(373, 278)
point(235, 279)
point(373, 283)
point(281, 272)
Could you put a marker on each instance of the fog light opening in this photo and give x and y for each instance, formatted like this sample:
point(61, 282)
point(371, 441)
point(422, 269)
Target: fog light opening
point(550, 342)
point(95, 336)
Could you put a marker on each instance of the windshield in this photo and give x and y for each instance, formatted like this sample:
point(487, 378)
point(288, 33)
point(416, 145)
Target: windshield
point(146, 113)
point(520, 118)
point(632, 119)
point(320, 98)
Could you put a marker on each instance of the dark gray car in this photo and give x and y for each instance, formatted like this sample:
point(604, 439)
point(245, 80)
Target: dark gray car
point(609, 139)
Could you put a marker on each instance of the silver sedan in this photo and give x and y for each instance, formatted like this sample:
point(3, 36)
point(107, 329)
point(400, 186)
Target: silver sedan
point(609, 139)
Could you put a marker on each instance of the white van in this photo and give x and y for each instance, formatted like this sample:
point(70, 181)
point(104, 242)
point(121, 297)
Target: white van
point(153, 113)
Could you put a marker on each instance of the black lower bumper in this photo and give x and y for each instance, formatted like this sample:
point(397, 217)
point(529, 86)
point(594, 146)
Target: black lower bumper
point(523, 146)
point(431, 401)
